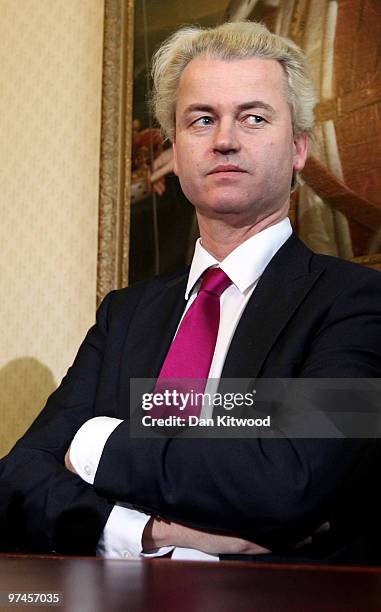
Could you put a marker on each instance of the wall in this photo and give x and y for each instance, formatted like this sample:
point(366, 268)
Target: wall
point(50, 105)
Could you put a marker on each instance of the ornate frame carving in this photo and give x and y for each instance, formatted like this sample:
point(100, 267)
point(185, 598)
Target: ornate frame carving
point(115, 154)
point(371, 261)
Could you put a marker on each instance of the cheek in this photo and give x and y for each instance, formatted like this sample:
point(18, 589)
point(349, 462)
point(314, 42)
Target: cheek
point(188, 165)
point(189, 182)
point(280, 156)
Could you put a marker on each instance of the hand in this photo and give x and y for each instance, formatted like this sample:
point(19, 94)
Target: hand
point(159, 533)
point(68, 464)
point(320, 530)
point(162, 165)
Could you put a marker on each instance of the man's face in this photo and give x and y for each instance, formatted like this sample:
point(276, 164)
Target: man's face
point(234, 149)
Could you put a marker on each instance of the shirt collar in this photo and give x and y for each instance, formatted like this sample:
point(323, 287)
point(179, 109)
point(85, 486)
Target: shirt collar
point(246, 263)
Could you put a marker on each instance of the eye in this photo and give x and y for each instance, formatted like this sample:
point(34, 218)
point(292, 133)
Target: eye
point(203, 121)
point(254, 120)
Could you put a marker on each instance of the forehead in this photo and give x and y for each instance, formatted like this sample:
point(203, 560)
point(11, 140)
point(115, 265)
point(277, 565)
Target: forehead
point(208, 80)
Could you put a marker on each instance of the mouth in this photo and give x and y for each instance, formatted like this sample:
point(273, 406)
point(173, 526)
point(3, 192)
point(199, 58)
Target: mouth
point(226, 168)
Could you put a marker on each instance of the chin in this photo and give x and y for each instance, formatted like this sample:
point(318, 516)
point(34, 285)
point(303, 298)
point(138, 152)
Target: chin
point(214, 210)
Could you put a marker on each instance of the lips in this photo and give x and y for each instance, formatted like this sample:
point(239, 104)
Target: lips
point(226, 168)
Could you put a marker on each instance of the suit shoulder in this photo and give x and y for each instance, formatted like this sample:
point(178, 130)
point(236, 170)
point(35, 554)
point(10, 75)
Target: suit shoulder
point(129, 297)
point(344, 271)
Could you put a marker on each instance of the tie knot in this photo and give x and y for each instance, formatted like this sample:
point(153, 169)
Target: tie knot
point(215, 281)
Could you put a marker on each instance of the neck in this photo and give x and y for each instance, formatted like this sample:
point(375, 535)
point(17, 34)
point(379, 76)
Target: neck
point(220, 238)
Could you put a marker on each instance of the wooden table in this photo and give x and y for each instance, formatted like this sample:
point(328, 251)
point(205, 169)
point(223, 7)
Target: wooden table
point(179, 586)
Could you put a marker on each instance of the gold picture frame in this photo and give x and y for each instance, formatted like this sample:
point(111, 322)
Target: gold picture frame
point(342, 203)
point(115, 154)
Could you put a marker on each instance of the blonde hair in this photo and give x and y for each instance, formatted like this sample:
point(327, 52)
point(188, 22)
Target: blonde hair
point(230, 41)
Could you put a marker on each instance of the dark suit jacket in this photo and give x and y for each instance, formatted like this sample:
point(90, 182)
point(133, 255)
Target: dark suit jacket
point(310, 316)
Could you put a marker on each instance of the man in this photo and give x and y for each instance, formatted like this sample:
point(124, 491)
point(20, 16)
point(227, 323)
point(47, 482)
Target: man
point(237, 103)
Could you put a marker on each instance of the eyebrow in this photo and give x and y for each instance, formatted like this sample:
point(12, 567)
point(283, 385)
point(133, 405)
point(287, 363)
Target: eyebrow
point(241, 107)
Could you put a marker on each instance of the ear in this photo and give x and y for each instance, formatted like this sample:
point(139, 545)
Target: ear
point(175, 167)
point(300, 151)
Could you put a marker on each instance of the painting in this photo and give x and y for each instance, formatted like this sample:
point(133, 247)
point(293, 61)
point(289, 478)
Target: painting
point(336, 209)
point(163, 228)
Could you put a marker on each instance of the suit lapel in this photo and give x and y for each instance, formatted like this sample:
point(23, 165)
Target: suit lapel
point(153, 327)
point(148, 337)
point(281, 289)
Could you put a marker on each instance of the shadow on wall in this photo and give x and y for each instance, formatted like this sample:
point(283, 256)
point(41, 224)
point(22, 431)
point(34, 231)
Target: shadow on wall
point(25, 385)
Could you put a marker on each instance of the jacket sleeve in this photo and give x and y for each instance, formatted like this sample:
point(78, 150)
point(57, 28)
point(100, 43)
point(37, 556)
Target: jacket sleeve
point(43, 506)
point(274, 491)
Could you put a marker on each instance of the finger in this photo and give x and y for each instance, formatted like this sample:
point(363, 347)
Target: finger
point(163, 158)
point(323, 528)
point(68, 463)
point(161, 171)
point(320, 530)
point(158, 163)
point(259, 550)
point(155, 176)
point(159, 187)
point(163, 163)
point(304, 542)
point(248, 547)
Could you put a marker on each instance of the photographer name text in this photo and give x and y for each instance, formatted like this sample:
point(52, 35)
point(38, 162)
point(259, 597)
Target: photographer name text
point(195, 421)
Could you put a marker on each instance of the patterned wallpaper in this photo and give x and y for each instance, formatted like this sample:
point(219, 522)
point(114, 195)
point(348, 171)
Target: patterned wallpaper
point(50, 103)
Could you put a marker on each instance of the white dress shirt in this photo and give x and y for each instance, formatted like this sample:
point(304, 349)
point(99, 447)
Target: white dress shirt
point(122, 535)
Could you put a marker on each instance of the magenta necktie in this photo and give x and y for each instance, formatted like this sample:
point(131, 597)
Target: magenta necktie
point(191, 352)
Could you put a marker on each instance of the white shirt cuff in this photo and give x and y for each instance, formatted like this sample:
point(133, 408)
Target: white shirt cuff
point(122, 535)
point(88, 444)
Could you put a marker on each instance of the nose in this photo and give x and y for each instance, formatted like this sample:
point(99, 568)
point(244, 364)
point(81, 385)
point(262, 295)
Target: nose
point(226, 137)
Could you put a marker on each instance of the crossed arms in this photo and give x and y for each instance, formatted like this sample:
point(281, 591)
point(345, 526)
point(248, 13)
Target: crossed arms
point(274, 493)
